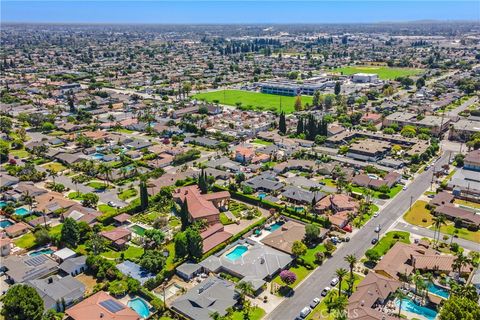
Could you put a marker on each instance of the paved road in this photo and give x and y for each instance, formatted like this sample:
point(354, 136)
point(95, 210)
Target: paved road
point(462, 107)
point(360, 242)
point(424, 232)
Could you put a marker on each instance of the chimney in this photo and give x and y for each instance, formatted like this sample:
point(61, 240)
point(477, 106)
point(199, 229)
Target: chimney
point(101, 315)
point(50, 280)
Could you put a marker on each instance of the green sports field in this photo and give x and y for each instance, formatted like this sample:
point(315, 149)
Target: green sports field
point(253, 100)
point(384, 73)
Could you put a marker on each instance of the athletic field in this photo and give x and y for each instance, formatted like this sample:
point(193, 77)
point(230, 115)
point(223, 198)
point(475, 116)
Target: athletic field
point(384, 73)
point(253, 100)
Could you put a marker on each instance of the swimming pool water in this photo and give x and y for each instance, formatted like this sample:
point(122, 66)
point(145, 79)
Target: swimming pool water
point(21, 211)
point(5, 223)
point(40, 252)
point(140, 307)
point(236, 253)
point(439, 291)
point(262, 195)
point(410, 306)
point(98, 156)
point(3, 204)
point(276, 225)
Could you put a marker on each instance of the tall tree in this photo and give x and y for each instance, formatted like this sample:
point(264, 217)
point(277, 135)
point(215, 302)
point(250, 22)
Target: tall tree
point(184, 216)
point(70, 233)
point(352, 260)
point(194, 244)
point(341, 273)
point(143, 195)
point(22, 302)
point(181, 245)
point(438, 221)
point(282, 125)
point(298, 103)
point(300, 128)
point(338, 88)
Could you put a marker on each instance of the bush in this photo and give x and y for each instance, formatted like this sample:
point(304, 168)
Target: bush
point(383, 196)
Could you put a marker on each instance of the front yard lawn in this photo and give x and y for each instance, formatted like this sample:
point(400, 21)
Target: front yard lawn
point(54, 166)
point(419, 215)
point(98, 185)
point(467, 203)
point(27, 241)
point(105, 208)
point(262, 142)
point(329, 182)
point(127, 194)
point(309, 257)
point(133, 252)
point(22, 153)
point(462, 232)
point(360, 221)
point(299, 270)
point(389, 239)
point(256, 313)
point(75, 195)
point(377, 194)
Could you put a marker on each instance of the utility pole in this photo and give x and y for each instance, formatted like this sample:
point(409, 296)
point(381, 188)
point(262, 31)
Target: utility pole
point(411, 200)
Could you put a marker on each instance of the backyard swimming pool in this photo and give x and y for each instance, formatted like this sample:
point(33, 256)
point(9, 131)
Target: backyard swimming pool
point(237, 253)
point(140, 307)
point(21, 212)
point(97, 156)
point(276, 225)
point(40, 252)
point(3, 204)
point(5, 223)
point(410, 306)
point(437, 290)
point(261, 195)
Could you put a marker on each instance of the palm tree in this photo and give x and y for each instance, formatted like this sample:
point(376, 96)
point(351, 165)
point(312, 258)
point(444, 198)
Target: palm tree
point(352, 260)
point(438, 221)
point(76, 180)
point(28, 199)
point(400, 296)
point(53, 174)
point(460, 262)
point(417, 279)
point(341, 273)
point(244, 288)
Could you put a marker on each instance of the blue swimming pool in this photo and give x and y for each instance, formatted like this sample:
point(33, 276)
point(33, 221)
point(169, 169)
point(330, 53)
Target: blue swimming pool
point(22, 212)
point(98, 156)
point(437, 290)
point(40, 252)
point(236, 253)
point(140, 307)
point(3, 204)
point(276, 225)
point(5, 223)
point(261, 195)
point(410, 306)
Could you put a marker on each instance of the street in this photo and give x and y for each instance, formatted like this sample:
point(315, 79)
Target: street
point(360, 242)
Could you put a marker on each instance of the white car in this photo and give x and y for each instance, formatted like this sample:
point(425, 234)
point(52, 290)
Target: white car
point(314, 303)
point(376, 214)
point(325, 291)
point(305, 311)
point(404, 188)
point(334, 282)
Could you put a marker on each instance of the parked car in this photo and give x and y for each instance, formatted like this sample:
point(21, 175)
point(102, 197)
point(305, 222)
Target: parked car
point(314, 303)
point(378, 228)
point(431, 196)
point(111, 204)
point(347, 239)
point(374, 240)
point(376, 214)
point(334, 282)
point(404, 188)
point(325, 291)
point(305, 312)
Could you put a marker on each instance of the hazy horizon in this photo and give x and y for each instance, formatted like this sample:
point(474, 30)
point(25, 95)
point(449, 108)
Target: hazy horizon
point(236, 12)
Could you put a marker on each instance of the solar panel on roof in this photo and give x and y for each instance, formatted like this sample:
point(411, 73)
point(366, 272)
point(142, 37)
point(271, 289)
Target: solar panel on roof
point(36, 261)
point(112, 305)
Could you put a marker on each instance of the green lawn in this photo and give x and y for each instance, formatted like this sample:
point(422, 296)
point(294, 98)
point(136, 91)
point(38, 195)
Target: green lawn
point(360, 222)
point(97, 185)
point(389, 239)
point(419, 215)
point(256, 313)
point(111, 254)
point(75, 195)
point(257, 100)
point(22, 153)
point(54, 166)
point(262, 142)
point(329, 182)
point(105, 208)
point(127, 194)
point(309, 257)
point(224, 219)
point(467, 204)
point(384, 73)
point(27, 241)
point(299, 270)
point(462, 232)
point(376, 194)
point(170, 262)
point(133, 252)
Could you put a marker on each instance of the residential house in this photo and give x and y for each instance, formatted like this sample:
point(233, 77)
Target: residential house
point(74, 266)
point(210, 296)
point(5, 246)
point(55, 291)
point(21, 269)
point(202, 206)
point(17, 229)
point(118, 236)
point(101, 306)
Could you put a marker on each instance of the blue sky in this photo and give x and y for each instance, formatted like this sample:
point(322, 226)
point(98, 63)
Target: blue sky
point(232, 11)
